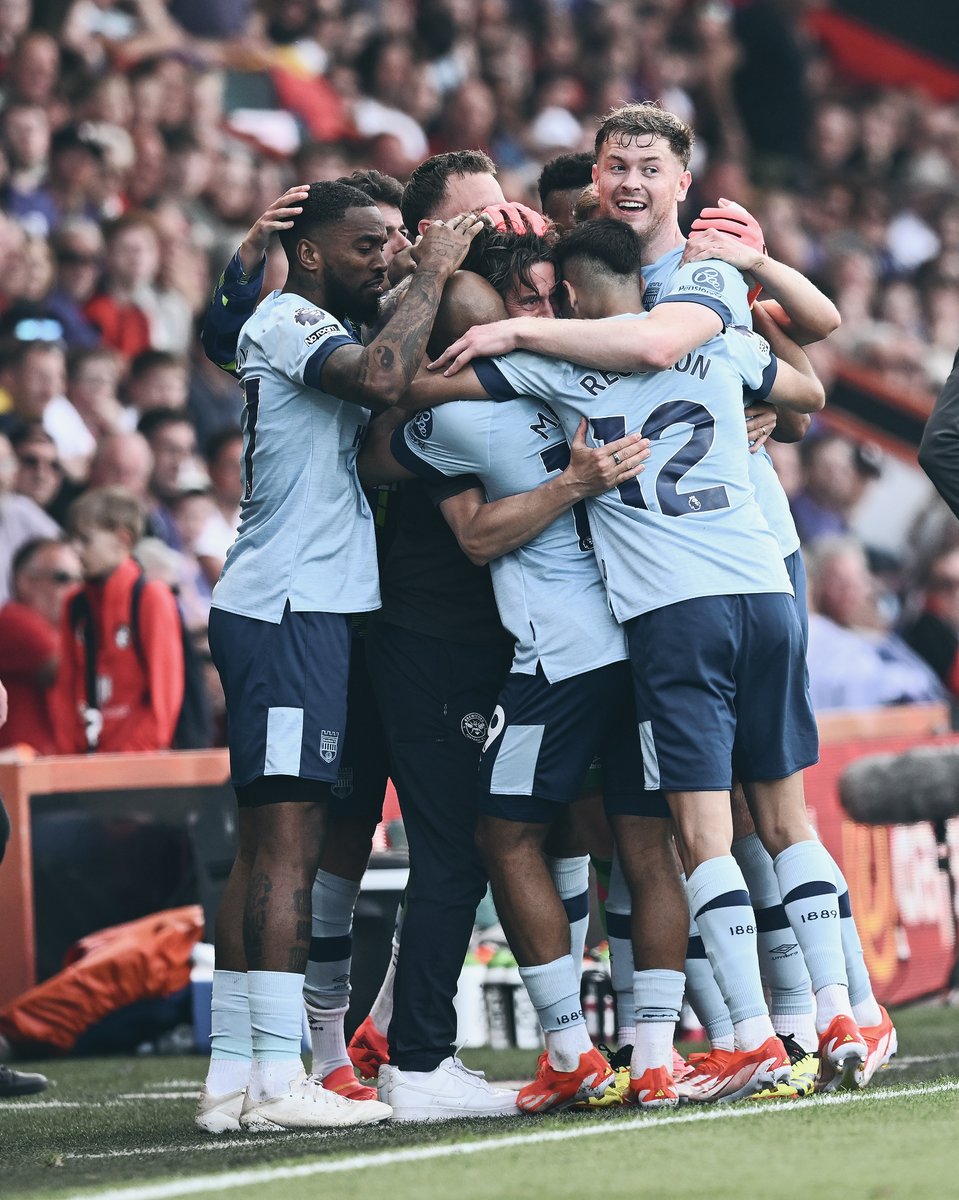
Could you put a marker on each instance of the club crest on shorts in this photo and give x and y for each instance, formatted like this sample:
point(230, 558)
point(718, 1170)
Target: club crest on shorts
point(473, 726)
point(122, 637)
point(708, 277)
point(344, 783)
point(329, 742)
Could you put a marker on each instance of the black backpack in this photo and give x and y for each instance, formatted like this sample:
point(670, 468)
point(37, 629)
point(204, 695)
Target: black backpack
point(194, 727)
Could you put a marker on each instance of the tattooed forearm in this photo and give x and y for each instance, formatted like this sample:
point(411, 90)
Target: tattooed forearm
point(379, 376)
point(389, 363)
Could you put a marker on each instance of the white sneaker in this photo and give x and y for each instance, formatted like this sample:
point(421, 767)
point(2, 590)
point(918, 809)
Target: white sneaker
point(219, 1114)
point(309, 1105)
point(450, 1091)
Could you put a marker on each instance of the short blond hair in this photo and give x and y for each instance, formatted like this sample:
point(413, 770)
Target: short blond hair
point(112, 508)
point(648, 119)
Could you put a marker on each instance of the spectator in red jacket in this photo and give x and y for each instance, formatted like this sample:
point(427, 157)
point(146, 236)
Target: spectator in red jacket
point(44, 570)
point(132, 698)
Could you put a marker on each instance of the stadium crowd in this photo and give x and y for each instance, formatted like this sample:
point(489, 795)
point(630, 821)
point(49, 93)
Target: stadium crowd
point(140, 140)
point(143, 143)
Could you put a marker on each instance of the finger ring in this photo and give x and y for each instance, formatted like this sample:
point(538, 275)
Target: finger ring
point(616, 459)
point(762, 430)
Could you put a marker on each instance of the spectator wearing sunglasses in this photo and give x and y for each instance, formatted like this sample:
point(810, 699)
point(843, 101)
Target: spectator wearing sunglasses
point(21, 519)
point(45, 571)
point(39, 471)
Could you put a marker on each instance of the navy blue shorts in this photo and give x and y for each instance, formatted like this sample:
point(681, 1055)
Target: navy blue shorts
point(721, 690)
point(797, 577)
point(285, 687)
point(360, 784)
point(544, 736)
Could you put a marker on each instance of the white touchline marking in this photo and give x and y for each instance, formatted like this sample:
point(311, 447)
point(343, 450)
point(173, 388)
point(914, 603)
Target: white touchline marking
point(116, 1102)
point(259, 1176)
point(228, 1143)
point(911, 1060)
point(19, 1105)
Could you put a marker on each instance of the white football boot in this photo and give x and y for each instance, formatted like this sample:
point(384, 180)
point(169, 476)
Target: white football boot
point(307, 1104)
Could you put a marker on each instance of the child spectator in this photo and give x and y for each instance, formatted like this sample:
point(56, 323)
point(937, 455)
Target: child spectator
point(120, 685)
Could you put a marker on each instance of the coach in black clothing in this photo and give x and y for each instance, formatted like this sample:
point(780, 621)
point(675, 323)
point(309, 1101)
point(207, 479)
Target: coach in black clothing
point(939, 448)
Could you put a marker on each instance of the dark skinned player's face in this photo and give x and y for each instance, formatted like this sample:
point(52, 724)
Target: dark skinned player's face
point(354, 267)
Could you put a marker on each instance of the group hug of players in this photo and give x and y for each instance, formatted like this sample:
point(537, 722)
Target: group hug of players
point(610, 468)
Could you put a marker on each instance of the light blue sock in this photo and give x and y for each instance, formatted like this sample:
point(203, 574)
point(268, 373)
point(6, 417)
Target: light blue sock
point(719, 903)
point(619, 933)
point(554, 991)
point(230, 1016)
point(276, 1014)
point(659, 997)
point(571, 880)
point(781, 963)
point(864, 1005)
point(807, 884)
point(331, 947)
point(703, 994)
point(231, 1045)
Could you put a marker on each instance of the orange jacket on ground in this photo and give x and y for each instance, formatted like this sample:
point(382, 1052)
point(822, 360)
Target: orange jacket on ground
point(139, 679)
point(139, 960)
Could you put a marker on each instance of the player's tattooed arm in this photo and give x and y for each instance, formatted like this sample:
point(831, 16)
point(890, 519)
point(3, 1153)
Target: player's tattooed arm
point(378, 375)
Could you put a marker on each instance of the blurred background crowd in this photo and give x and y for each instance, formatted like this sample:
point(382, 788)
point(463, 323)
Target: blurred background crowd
point(140, 139)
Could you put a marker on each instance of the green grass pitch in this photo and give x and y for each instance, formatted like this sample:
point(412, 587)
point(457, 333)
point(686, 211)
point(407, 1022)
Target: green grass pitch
point(121, 1129)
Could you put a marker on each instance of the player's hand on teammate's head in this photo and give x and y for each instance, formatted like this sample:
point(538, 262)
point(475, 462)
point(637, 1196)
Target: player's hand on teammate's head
point(597, 469)
point(517, 218)
point(444, 244)
point(279, 215)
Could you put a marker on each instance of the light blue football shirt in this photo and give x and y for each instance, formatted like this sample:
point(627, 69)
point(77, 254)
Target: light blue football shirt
point(306, 531)
point(690, 525)
point(549, 592)
point(660, 279)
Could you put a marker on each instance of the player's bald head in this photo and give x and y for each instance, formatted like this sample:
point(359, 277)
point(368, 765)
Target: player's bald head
point(467, 300)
